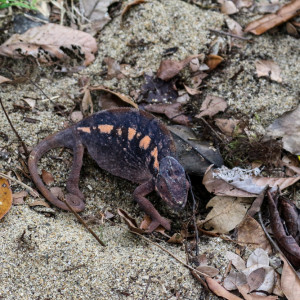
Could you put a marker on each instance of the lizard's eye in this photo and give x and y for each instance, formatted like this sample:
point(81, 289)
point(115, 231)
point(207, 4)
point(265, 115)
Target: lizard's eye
point(169, 172)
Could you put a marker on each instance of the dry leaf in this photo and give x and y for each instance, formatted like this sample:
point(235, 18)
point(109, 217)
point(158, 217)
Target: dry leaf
point(176, 238)
point(208, 270)
point(191, 91)
point(130, 5)
point(130, 222)
point(251, 234)
point(244, 290)
point(234, 279)
point(120, 100)
point(236, 260)
point(216, 288)
point(47, 177)
point(30, 102)
point(243, 3)
point(256, 278)
point(96, 12)
point(113, 68)
point(5, 197)
point(172, 111)
point(4, 79)
point(288, 127)
point(228, 8)
point(228, 126)
point(290, 282)
point(52, 44)
point(18, 198)
point(57, 192)
point(213, 60)
point(146, 223)
point(39, 203)
point(268, 68)
point(234, 27)
point(87, 105)
point(211, 106)
point(269, 21)
point(258, 257)
point(76, 116)
point(170, 68)
point(226, 213)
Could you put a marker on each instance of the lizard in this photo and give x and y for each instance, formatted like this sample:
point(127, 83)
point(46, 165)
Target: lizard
point(128, 143)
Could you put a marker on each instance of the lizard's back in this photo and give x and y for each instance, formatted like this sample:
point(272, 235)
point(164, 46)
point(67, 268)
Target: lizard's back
point(126, 142)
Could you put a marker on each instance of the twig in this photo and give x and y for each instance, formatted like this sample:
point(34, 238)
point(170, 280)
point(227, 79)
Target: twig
point(146, 289)
point(194, 215)
point(230, 34)
point(14, 130)
point(32, 82)
point(84, 223)
point(21, 183)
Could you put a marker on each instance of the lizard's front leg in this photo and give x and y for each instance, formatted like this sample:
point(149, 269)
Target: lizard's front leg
point(75, 195)
point(139, 196)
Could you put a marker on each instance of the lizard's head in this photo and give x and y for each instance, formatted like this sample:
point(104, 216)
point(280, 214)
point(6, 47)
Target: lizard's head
point(171, 183)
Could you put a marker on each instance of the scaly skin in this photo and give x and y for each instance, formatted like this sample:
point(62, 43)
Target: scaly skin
point(128, 143)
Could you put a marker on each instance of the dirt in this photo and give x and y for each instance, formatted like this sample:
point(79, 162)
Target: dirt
point(46, 253)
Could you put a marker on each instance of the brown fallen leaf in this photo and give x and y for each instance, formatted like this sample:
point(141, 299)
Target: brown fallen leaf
point(172, 111)
point(87, 105)
point(233, 280)
point(146, 223)
point(76, 116)
point(191, 91)
point(4, 79)
point(236, 260)
point(269, 21)
point(176, 238)
point(288, 127)
point(208, 270)
point(39, 203)
point(113, 68)
point(251, 234)
point(228, 8)
point(290, 282)
point(119, 100)
point(228, 126)
point(256, 278)
point(5, 197)
point(52, 44)
point(245, 289)
point(18, 198)
point(47, 177)
point(216, 288)
point(211, 106)
point(234, 27)
point(170, 68)
point(213, 60)
point(130, 5)
point(226, 213)
point(268, 68)
point(129, 221)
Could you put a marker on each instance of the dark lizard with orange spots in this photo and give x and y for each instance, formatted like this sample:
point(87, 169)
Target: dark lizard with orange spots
point(128, 143)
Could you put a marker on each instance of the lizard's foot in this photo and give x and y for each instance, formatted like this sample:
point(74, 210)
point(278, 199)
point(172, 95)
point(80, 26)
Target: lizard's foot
point(155, 223)
point(75, 202)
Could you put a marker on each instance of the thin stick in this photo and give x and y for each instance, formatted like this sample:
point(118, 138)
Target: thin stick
point(146, 289)
point(14, 130)
point(230, 34)
point(20, 183)
point(84, 223)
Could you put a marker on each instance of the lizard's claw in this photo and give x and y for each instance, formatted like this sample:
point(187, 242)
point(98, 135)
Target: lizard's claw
point(155, 223)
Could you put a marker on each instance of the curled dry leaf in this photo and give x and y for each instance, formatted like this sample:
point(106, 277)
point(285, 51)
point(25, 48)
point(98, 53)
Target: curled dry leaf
point(176, 238)
point(251, 234)
point(76, 116)
point(228, 126)
point(170, 68)
point(226, 213)
point(216, 288)
point(172, 111)
point(208, 270)
point(5, 197)
point(129, 221)
point(146, 223)
point(213, 60)
point(113, 68)
point(194, 154)
point(234, 27)
point(269, 21)
point(130, 5)
point(52, 44)
point(119, 100)
point(290, 282)
point(268, 68)
point(288, 127)
point(47, 177)
point(18, 198)
point(211, 106)
point(39, 203)
point(244, 289)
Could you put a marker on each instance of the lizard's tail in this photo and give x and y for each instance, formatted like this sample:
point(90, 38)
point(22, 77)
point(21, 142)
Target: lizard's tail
point(64, 138)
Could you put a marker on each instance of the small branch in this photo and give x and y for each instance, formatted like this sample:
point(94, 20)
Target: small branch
point(14, 130)
point(146, 289)
point(84, 223)
point(230, 34)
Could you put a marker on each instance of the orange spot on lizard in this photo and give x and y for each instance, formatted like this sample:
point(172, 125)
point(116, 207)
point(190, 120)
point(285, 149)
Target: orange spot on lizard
point(105, 128)
point(131, 133)
point(154, 154)
point(84, 129)
point(145, 142)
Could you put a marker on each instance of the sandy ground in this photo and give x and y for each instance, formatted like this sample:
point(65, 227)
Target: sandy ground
point(50, 255)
